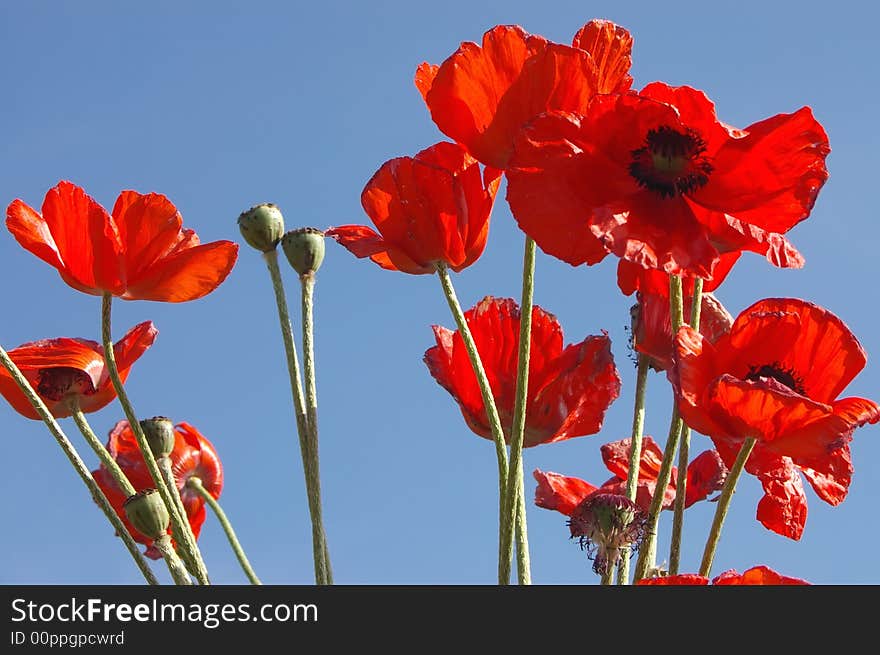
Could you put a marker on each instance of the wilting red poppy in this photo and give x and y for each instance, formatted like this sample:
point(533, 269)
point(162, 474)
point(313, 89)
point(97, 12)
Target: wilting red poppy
point(776, 377)
point(757, 575)
point(705, 475)
point(60, 368)
point(193, 455)
point(652, 327)
point(569, 388)
point(140, 251)
point(482, 95)
point(430, 208)
point(658, 180)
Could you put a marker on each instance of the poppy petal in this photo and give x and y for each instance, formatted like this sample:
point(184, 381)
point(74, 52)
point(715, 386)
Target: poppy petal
point(765, 410)
point(757, 575)
point(186, 275)
point(560, 493)
point(482, 96)
point(579, 396)
point(705, 475)
point(149, 225)
point(615, 455)
point(783, 508)
point(694, 366)
point(83, 234)
point(362, 241)
point(610, 46)
point(424, 78)
point(803, 337)
point(729, 234)
point(771, 176)
point(31, 231)
point(832, 476)
point(695, 110)
point(680, 579)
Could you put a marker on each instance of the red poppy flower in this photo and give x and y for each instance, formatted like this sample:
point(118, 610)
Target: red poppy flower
point(705, 475)
point(652, 327)
point(658, 180)
point(776, 377)
point(569, 388)
point(430, 208)
point(193, 455)
point(482, 96)
point(757, 575)
point(138, 252)
point(64, 367)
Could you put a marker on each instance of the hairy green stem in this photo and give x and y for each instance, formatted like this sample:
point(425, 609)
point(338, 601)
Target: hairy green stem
point(648, 549)
point(505, 552)
point(178, 515)
point(724, 504)
point(78, 465)
point(307, 282)
point(175, 565)
point(179, 526)
point(523, 565)
point(608, 576)
point(683, 453)
point(635, 452)
point(101, 451)
point(195, 483)
point(320, 553)
point(515, 467)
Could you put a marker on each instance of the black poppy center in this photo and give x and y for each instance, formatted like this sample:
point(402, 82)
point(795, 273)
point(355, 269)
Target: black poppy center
point(786, 376)
point(61, 381)
point(671, 162)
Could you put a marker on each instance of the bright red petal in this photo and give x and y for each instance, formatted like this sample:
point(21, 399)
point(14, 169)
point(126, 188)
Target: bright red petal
point(670, 580)
point(482, 96)
point(783, 508)
point(771, 176)
point(694, 367)
point(80, 232)
point(559, 492)
point(757, 575)
point(799, 335)
point(610, 46)
point(832, 476)
point(149, 225)
point(424, 78)
point(705, 475)
point(765, 410)
point(186, 275)
point(361, 241)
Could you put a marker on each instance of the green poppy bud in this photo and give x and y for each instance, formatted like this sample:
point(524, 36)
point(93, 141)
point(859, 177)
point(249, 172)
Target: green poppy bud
point(262, 226)
point(147, 513)
point(159, 432)
point(304, 248)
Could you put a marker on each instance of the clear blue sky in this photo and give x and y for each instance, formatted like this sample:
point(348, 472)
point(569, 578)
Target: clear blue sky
point(224, 105)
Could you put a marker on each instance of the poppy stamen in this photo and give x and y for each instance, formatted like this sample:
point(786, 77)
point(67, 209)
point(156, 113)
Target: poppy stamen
point(671, 163)
point(59, 382)
point(786, 376)
point(605, 524)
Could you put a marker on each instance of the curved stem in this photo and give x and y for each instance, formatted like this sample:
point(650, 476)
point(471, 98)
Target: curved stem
point(175, 565)
point(320, 555)
point(683, 453)
point(179, 527)
point(724, 504)
point(78, 465)
point(101, 451)
point(515, 467)
point(196, 484)
point(648, 549)
point(307, 282)
point(635, 452)
point(505, 553)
